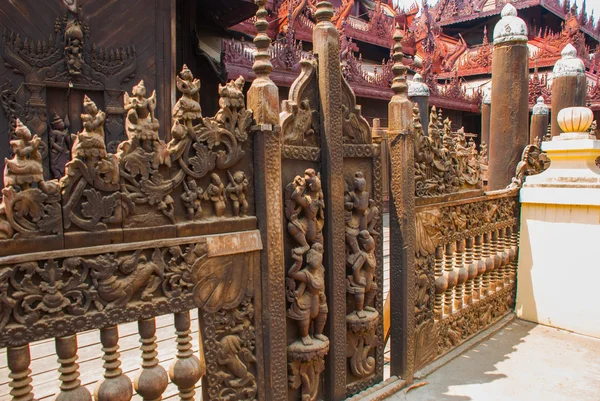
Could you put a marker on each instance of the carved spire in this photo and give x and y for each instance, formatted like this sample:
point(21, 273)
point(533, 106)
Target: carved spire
point(324, 11)
point(262, 60)
point(399, 85)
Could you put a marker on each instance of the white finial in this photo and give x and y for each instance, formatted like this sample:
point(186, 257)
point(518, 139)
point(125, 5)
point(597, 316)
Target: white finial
point(510, 28)
point(417, 87)
point(569, 65)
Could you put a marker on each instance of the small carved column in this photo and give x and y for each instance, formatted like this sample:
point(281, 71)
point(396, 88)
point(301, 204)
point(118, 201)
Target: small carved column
point(378, 132)
point(480, 262)
point(539, 122)
point(263, 100)
point(486, 110)
point(115, 386)
point(462, 274)
point(569, 85)
point(186, 369)
point(326, 46)
point(152, 380)
point(499, 261)
point(510, 97)
point(18, 360)
point(452, 277)
point(441, 283)
point(402, 220)
point(418, 92)
point(471, 269)
point(489, 265)
point(70, 386)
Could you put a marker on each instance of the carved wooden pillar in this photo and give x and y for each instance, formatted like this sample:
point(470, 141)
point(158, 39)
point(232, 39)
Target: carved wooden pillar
point(186, 369)
point(418, 92)
point(152, 380)
point(539, 122)
point(569, 84)
point(486, 110)
point(378, 132)
point(18, 360)
point(510, 97)
point(263, 100)
point(326, 46)
point(116, 386)
point(452, 278)
point(402, 220)
point(70, 386)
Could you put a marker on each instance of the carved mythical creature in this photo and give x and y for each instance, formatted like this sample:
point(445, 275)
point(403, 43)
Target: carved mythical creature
point(308, 303)
point(236, 189)
point(301, 129)
point(25, 168)
point(533, 161)
point(119, 279)
point(304, 210)
point(192, 198)
point(60, 145)
point(228, 355)
point(215, 192)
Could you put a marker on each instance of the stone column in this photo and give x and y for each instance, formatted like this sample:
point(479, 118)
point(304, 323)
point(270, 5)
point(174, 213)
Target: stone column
point(418, 92)
point(402, 221)
point(510, 96)
point(326, 46)
point(486, 110)
point(569, 84)
point(559, 224)
point(539, 122)
point(263, 100)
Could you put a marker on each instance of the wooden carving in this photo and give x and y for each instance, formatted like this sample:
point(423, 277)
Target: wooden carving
point(355, 127)
point(361, 217)
point(444, 161)
point(533, 161)
point(30, 205)
point(304, 209)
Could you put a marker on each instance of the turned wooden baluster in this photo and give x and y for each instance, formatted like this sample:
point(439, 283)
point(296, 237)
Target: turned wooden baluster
point(462, 272)
point(489, 265)
point(478, 290)
point(496, 260)
point(471, 269)
point(452, 277)
point(514, 240)
point(116, 386)
point(70, 386)
point(507, 258)
point(441, 282)
point(499, 270)
point(152, 380)
point(18, 360)
point(186, 369)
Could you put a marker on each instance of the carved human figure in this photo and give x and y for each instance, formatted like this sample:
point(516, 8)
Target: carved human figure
point(361, 283)
point(25, 167)
point(305, 210)
point(141, 125)
point(73, 39)
point(192, 198)
point(89, 143)
point(187, 108)
point(309, 306)
point(60, 146)
point(484, 150)
point(236, 190)
point(215, 192)
point(359, 215)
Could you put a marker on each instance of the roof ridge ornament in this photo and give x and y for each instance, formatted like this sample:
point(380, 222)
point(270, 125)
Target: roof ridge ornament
point(569, 65)
point(510, 28)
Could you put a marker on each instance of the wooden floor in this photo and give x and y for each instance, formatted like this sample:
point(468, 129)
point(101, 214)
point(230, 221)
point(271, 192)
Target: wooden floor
point(44, 365)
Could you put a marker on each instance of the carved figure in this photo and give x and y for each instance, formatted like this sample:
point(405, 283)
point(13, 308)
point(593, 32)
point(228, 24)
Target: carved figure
point(236, 189)
point(301, 128)
point(60, 145)
point(361, 212)
point(304, 210)
point(533, 161)
point(216, 194)
point(361, 283)
point(192, 198)
point(309, 305)
point(89, 143)
point(73, 39)
point(188, 107)
point(228, 355)
point(25, 168)
point(141, 125)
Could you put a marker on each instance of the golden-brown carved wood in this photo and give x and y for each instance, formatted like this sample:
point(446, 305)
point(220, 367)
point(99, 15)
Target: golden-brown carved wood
point(116, 386)
point(18, 360)
point(152, 380)
point(186, 369)
point(70, 386)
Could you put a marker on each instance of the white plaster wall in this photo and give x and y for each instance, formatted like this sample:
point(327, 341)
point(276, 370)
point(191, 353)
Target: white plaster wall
point(559, 267)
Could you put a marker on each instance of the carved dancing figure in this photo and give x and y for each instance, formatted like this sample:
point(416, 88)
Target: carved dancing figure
point(357, 205)
point(309, 306)
point(89, 143)
point(361, 283)
point(142, 125)
point(236, 189)
point(60, 145)
point(25, 168)
point(192, 198)
point(216, 194)
point(187, 108)
point(304, 209)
